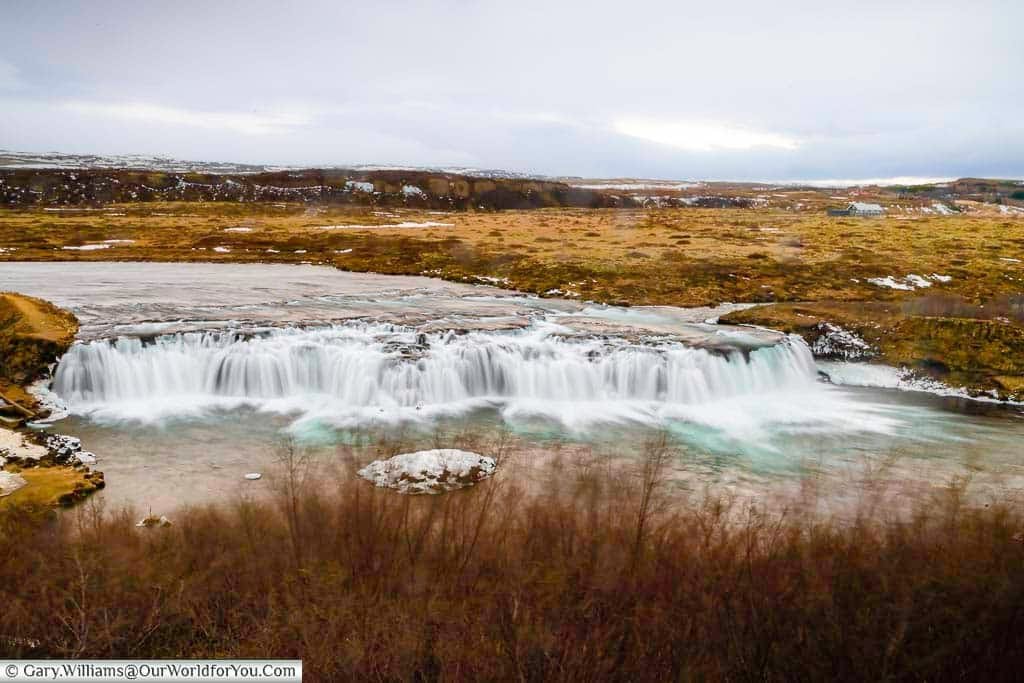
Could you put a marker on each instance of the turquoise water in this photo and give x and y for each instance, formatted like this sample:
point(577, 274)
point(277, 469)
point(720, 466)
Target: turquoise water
point(352, 366)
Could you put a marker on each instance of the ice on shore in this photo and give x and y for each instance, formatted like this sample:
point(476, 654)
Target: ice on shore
point(15, 444)
point(10, 482)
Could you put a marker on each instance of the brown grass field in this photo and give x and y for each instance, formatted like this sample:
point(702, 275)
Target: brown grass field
point(662, 256)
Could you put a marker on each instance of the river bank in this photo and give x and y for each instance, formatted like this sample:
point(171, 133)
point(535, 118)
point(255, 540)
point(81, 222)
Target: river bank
point(37, 469)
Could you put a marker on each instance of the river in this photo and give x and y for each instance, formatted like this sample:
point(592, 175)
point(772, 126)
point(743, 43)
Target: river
point(187, 376)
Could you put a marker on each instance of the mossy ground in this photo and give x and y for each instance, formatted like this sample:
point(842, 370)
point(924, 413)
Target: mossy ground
point(57, 485)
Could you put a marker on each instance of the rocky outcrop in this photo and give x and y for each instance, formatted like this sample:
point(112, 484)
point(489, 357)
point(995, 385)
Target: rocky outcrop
point(49, 469)
point(837, 343)
point(33, 334)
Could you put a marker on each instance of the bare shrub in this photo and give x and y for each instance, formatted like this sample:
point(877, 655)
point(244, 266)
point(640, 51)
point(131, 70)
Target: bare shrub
point(603, 573)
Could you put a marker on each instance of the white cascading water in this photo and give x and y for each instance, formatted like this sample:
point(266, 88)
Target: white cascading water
point(363, 366)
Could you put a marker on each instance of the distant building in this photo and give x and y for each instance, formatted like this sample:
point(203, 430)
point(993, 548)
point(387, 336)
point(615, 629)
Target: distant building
point(859, 209)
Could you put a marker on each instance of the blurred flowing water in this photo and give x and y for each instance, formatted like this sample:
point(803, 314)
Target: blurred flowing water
point(186, 375)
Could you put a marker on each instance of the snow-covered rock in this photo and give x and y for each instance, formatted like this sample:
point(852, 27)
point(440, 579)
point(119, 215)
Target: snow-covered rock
point(359, 186)
point(63, 447)
point(433, 471)
point(85, 458)
point(152, 521)
point(836, 342)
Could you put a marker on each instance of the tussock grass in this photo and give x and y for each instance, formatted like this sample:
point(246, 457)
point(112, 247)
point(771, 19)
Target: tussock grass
point(595, 576)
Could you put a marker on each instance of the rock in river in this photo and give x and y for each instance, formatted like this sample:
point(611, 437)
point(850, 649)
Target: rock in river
point(433, 471)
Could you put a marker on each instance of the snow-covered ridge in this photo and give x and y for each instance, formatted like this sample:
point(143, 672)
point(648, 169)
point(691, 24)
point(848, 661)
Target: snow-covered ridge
point(13, 160)
point(636, 186)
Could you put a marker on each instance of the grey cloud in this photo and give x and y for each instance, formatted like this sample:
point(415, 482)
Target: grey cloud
point(868, 89)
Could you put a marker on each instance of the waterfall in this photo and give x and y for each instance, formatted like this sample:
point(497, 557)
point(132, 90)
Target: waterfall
point(369, 365)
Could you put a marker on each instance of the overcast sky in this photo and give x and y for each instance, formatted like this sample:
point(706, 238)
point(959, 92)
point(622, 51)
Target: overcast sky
point(775, 90)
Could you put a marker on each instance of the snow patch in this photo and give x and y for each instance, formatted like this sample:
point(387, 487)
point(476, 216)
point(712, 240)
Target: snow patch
point(493, 280)
point(625, 187)
point(87, 247)
point(910, 282)
point(404, 224)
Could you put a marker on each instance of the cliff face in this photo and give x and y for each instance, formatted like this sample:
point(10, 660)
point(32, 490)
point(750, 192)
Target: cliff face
point(419, 189)
point(33, 334)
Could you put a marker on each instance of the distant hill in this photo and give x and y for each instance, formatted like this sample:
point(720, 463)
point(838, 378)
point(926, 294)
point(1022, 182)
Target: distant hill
point(31, 186)
point(53, 179)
